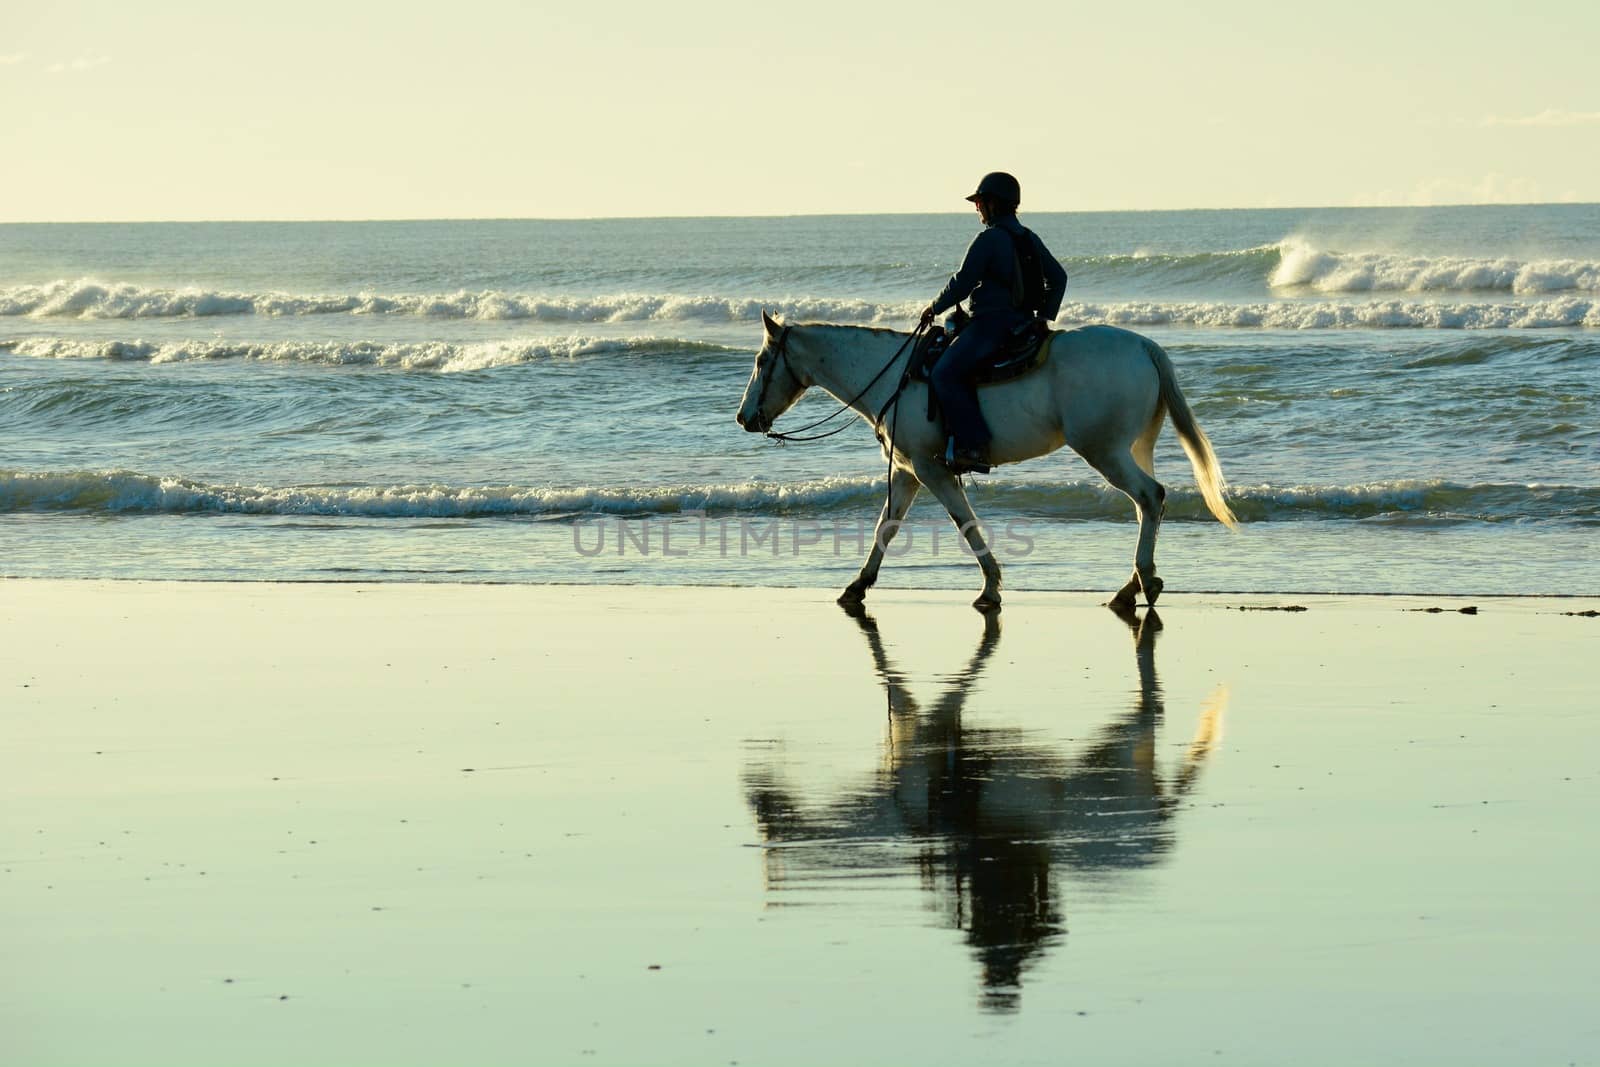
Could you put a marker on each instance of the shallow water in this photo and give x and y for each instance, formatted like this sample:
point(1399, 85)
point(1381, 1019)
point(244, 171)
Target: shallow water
point(283, 385)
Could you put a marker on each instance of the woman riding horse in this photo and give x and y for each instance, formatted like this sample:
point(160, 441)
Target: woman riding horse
point(1011, 277)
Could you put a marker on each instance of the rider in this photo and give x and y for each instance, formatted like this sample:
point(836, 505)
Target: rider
point(994, 274)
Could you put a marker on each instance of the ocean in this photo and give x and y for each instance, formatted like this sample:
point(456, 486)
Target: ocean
point(1403, 401)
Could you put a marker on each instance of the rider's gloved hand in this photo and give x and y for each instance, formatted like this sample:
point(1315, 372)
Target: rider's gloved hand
point(927, 317)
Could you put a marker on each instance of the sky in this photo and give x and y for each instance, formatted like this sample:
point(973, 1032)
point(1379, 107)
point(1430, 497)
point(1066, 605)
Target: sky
point(172, 109)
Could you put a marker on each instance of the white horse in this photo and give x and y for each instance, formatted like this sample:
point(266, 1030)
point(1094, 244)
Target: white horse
point(1101, 390)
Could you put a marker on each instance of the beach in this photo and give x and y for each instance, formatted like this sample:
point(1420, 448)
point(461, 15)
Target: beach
point(408, 660)
point(268, 823)
point(433, 446)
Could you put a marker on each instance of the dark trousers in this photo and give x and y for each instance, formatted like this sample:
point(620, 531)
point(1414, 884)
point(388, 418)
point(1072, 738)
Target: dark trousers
point(953, 374)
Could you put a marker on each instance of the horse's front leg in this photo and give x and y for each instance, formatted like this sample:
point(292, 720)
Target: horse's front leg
point(947, 487)
point(903, 487)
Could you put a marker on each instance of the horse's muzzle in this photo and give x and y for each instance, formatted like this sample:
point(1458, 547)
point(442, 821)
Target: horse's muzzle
point(753, 425)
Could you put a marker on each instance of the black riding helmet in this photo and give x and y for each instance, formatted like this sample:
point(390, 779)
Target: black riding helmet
point(999, 186)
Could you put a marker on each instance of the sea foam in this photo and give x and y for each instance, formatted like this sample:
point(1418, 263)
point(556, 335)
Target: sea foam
point(89, 299)
point(1300, 265)
point(442, 356)
point(1329, 314)
point(129, 492)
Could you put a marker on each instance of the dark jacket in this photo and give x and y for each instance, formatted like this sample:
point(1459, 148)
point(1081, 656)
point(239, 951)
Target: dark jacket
point(989, 273)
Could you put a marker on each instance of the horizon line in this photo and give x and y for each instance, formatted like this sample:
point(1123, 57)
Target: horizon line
point(792, 215)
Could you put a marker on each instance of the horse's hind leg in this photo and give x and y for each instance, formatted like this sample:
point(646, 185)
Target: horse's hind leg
point(1149, 499)
point(947, 487)
point(903, 486)
point(1144, 456)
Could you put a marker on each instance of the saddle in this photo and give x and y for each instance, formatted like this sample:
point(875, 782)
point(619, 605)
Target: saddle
point(1021, 353)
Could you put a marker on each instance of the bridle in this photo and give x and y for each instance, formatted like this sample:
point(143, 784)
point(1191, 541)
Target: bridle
point(781, 356)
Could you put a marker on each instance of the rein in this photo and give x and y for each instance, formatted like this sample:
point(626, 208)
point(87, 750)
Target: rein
point(877, 422)
point(793, 435)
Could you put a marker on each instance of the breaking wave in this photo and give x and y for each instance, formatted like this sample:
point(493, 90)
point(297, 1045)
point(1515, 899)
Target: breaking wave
point(423, 355)
point(88, 299)
point(1168, 268)
point(1302, 266)
point(128, 492)
point(1329, 315)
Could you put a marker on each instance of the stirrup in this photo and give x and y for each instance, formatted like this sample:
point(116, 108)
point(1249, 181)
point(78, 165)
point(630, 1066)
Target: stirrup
point(965, 460)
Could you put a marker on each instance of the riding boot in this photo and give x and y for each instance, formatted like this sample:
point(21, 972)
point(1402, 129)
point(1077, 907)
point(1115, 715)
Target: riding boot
point(965, 460)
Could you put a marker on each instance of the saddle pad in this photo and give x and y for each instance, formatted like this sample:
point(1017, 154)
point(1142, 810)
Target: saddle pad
point(1010, 362)
point(1015, 361)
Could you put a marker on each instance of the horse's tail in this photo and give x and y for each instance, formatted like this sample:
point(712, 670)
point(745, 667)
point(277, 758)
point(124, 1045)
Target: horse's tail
point(1207, 471)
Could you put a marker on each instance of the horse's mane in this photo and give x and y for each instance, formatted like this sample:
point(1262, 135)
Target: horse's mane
point(848, 326)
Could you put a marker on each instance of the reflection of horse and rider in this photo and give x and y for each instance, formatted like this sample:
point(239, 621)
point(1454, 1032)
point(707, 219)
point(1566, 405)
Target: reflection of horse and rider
point(1103, 391)
point(992, 813)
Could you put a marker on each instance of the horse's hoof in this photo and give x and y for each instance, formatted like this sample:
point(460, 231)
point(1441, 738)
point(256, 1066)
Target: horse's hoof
point(1152, 589)
point(853, 596)
point(987, 603)
point(1127, 596)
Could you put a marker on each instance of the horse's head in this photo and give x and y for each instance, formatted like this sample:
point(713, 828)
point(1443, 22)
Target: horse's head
point(774, 386)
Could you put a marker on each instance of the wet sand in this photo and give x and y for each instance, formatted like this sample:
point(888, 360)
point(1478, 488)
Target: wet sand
point(269, 824)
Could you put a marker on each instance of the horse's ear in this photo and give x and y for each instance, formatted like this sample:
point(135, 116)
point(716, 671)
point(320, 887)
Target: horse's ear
point(772, 327)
